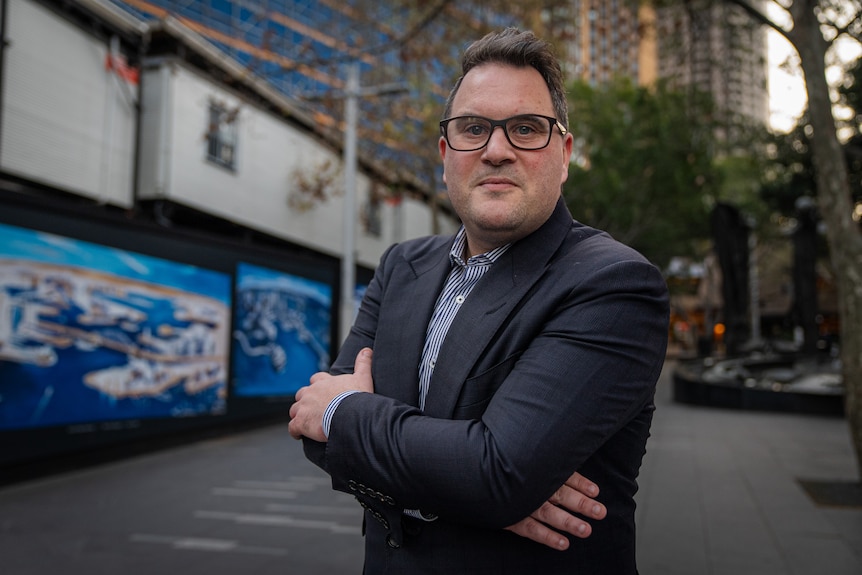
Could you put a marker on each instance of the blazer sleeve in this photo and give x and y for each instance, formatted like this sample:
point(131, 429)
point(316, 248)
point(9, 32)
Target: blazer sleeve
point(590, 369)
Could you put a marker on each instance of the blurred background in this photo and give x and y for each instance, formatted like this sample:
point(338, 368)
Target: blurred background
point(194, 195)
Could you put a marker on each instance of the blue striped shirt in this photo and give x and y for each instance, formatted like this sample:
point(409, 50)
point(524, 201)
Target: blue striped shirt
point(462, 278)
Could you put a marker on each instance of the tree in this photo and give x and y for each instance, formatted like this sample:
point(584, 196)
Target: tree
point(643, 167)
point(850, 93)
point(812, 26)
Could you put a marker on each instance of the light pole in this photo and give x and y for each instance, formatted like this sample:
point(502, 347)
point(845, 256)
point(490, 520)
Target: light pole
point(348, 258)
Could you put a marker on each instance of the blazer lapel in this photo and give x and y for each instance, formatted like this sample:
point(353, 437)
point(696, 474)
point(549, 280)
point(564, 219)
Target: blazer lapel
point(410, 311)
point(487, 307)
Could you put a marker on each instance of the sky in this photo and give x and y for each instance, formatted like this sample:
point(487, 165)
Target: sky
point(786, 87)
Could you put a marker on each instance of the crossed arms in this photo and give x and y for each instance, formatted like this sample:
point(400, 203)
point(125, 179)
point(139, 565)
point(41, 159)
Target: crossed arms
point(543, 525)
point(543, 420)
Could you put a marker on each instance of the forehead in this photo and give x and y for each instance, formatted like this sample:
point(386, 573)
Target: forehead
point(501, 90)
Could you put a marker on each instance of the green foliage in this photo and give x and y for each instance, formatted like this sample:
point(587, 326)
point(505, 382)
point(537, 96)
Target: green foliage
point(643, 167)
point(789, 174)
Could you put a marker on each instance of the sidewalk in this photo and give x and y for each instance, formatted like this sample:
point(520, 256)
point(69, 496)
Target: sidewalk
point(719, 496)
point(720, 493)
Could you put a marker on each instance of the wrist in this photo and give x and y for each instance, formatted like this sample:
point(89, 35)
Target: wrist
point(330, 410)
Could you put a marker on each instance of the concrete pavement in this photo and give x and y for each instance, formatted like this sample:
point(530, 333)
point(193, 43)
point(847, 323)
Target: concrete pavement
point(720, 494)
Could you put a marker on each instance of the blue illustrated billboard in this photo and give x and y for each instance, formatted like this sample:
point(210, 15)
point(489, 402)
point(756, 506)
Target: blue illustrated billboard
point(93, 333)
point(281, 333)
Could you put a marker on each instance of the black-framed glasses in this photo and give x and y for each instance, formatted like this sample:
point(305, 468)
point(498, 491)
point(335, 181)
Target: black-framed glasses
point(524, 132)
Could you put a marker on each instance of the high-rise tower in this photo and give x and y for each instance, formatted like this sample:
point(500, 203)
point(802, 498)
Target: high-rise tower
point(611, 38)
point(707, 45)
point(715, 47)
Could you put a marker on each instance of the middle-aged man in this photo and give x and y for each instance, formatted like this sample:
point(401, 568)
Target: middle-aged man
point(505, 359)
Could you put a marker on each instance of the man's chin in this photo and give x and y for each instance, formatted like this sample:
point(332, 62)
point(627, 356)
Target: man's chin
point(502, 228)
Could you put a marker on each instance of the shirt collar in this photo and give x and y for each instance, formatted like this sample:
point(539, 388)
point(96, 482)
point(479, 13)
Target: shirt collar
point(456, 255)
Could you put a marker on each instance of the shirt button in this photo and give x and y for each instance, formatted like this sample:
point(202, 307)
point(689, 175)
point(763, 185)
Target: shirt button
point(459, 300)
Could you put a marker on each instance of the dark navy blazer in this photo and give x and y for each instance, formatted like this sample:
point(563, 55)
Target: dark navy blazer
point(549, 367)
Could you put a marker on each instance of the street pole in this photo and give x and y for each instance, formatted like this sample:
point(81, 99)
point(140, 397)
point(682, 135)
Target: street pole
point(348, 257)
point(753, 284)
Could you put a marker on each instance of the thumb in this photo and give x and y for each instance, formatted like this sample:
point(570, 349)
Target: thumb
point(362, 367)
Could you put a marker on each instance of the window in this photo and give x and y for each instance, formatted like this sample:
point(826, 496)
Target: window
point(372, 217)
point(222, 135)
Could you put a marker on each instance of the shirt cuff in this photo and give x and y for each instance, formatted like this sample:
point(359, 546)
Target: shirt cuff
point(330, 409)
point(416, 514)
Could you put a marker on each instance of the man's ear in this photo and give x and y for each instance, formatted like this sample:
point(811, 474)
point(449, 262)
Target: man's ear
point(568, 143)
point(443, 147)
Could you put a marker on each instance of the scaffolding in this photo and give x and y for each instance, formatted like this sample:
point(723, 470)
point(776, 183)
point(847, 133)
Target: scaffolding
point(303, 48)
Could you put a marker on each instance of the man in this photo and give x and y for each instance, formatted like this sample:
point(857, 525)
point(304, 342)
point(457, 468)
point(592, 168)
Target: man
point(506, 360)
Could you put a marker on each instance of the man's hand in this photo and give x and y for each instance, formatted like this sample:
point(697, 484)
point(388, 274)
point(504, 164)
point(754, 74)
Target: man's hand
point(306, 413)
point(576, 495)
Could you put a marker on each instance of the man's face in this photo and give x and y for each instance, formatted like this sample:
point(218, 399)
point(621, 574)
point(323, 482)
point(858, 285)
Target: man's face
point(502, 193)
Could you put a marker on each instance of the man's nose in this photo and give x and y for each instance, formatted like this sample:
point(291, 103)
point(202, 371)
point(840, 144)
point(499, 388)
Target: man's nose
point(498, 145)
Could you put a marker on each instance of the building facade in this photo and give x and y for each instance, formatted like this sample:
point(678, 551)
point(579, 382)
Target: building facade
point(611, 39)
point(708, 45)
point(716, 48)
point(152, 110)
point(171, 228)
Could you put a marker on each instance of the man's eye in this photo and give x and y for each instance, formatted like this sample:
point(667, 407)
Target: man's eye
point(475, 130)
point(528, 127)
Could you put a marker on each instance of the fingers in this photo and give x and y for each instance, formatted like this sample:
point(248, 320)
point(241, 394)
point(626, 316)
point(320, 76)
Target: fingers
point(580, 483)
point(294, 407)
point(531, 529)
point(293, 425)
point(562, 520)
point(311, 401)
point(575, 501)
point(545, 524)
point(362, 370)
point(362, 366)
point(293, 434)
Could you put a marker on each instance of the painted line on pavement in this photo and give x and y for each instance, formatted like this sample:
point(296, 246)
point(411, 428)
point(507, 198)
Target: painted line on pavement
point(279, 521)
point(204, 544)
point(353, 509)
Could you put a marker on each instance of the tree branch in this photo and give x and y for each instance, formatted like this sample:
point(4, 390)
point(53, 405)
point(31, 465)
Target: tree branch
point(762, 18)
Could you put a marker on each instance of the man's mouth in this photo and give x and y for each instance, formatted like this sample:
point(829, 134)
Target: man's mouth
point(496, 183)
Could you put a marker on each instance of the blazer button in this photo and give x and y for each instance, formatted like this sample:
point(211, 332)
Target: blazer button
point(392, 543)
